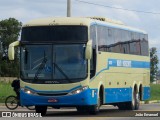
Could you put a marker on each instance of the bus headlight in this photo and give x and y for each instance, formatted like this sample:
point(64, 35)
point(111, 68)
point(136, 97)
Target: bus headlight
point(28, 91)
point(79, 90)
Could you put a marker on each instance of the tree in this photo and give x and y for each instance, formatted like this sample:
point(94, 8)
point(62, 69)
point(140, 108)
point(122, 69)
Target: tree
point(153, 64)
point(9, 33)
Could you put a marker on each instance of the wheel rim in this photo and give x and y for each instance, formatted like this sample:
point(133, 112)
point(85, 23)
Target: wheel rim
point(134, 100)
point(137, 100)
point(99, 104)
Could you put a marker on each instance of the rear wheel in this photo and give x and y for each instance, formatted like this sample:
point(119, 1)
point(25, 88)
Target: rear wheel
point(41, 109)
point(132, 104)
point(122, 106)
point(137, 102)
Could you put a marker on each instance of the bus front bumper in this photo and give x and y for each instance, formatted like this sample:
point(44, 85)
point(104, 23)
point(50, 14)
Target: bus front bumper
point(86, 97)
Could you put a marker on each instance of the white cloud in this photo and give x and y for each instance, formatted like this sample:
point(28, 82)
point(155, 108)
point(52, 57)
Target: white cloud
point(155, 43)
point(125, 15)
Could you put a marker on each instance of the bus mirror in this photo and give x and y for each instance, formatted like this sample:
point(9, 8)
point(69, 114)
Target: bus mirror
point(11, 51)
point(88, 52)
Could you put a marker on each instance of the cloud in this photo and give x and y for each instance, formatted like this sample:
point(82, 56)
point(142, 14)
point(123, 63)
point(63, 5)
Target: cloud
point(124, 15)
point(25, 10)
point(154, 43)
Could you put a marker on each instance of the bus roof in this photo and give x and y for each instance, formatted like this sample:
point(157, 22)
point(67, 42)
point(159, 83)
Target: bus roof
point(86, 21)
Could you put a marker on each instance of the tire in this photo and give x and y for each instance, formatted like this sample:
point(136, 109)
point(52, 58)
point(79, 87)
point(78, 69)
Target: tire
point(41, 109)
point(95, 108)
point(122, 106)
point(81, 109)
point(11, 102)
point(131, 105)
point(137, 102)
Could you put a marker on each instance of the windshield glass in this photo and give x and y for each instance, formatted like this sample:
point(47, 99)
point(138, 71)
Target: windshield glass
point(58, 63)
point(55, 33)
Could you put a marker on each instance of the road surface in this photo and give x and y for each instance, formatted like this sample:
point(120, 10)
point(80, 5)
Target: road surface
point(106, 112)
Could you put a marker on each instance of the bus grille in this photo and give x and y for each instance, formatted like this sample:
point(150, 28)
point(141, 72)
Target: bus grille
point(52, 94)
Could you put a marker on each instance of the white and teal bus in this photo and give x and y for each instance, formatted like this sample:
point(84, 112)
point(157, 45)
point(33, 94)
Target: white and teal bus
point(82, 63)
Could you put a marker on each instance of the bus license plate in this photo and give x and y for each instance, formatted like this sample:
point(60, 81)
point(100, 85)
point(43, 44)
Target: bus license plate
point(52, 100)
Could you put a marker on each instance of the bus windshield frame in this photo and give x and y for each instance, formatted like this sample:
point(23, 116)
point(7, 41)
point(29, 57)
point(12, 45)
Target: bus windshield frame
point(53, 63)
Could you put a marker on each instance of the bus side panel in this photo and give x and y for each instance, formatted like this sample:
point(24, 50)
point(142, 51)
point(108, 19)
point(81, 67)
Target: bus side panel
point(120, 73)
point(118, 95)
point(146, 93)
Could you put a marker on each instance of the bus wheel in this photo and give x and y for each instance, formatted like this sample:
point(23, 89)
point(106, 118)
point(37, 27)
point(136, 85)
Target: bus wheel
point(122, 106)
point(131, 105)
point(137, 101)
point(41, 109)
point(95, 108)
point(81, 109)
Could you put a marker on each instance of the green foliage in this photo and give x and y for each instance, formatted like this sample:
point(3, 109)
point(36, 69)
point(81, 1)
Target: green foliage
point(153, 64)
point(6, 90)
point(10, 33)
point(155, 92)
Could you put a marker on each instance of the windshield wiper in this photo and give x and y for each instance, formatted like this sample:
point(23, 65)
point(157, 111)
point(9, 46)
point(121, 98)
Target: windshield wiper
point(60, 70)
point(41, 67)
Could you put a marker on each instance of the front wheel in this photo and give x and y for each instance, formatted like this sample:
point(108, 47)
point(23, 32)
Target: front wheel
point(41, 109)
point(11, 102)
point(95, 108)
point(81, 109)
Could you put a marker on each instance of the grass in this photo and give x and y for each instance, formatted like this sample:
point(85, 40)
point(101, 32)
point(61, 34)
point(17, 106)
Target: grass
point(155, 92)
point(5, 90)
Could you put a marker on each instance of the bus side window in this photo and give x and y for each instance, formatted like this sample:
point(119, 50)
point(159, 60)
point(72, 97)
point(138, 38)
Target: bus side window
point(93, 59)
point(93, 64)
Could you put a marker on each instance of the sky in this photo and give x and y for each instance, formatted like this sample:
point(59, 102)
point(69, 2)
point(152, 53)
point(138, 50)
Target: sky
point(26, 10)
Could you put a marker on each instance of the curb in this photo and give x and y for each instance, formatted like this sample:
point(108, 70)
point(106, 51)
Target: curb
point(149, 102)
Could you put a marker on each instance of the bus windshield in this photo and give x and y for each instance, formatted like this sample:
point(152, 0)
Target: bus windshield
point(53, 63)
point(55, 33)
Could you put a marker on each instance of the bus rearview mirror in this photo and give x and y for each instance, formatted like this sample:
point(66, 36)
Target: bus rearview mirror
point(11, 50)
point(88, 52)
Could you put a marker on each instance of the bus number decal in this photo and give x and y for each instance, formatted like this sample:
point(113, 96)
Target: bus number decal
point(123, 63)
point(120, 63)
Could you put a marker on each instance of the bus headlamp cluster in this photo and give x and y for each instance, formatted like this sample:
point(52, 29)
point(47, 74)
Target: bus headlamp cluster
point(79, 90)
point(28, 91)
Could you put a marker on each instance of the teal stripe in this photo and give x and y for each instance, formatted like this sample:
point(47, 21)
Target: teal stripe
point(125, 64)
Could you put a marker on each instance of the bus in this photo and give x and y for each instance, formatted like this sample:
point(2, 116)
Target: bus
point(83, 63)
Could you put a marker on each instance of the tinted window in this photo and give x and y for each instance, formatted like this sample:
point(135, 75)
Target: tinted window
point(55, 33)
point(121, 41)
point(135, 47)
point(63, 63)
point(93, 35)
point(144, 45)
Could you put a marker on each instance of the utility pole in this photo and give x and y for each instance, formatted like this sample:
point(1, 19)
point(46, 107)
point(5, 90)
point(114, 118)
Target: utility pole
point(68, 8)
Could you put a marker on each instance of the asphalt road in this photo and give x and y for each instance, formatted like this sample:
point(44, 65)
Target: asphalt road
point(106, 112)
